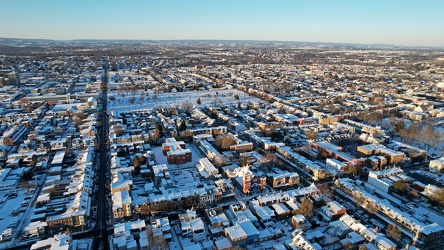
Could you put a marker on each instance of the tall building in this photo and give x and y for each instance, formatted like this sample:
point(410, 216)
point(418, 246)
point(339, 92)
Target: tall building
point(14, 79)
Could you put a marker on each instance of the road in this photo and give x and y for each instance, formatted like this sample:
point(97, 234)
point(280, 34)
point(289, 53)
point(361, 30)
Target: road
point(100, 232)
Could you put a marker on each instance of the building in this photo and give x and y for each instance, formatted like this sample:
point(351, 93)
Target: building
point(237, 235)
point(251, 182)
point(14, 79)
point(384, 179)
point(299, 221)
point(376, 162)
point(121, 204)
point(161, 175)
point(283, 180)
point(339, 167)
point(162, 227)
point(378, 149)
point(334, 151)
point(332, 211)
point(8, 181)
point(210, 130)
point(60, 241)
point(425, 233)
point(130, 234)
point(206, 168)
point(217, 221)
point(437, 165)
point(242, 147)
point(176, 152)
point(192, 226)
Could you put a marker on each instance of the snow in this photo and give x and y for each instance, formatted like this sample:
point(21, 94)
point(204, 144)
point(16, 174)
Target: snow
point(172, 100)
point(10, 204)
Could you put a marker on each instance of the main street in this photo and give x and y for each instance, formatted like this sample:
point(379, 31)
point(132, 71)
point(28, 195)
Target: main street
point(100, 232)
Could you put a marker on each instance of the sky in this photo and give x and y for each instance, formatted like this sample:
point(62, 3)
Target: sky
point(400, 22)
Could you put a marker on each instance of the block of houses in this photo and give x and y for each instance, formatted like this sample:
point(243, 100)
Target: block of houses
point(300, 222)
point(192, 226)
point(237, 235)
point(384, 179)
point(378, 149)
point(121, 204)
point(332, 211)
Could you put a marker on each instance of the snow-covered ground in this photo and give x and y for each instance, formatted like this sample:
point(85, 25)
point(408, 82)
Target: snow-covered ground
point(172, 100)
point(12, 211)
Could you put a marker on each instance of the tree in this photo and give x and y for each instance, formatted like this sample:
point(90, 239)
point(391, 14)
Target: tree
point(393, 232)
point(182, 125)
point(311, 135)
point(121, 152)
point(326, 191)
point(159, 129)
point(306, 208)
point(401, 186)
point(225, 141)
point(352, 169)
point(322, 175)
point(143, 159)
point(243, 161)
point(198, 101)
point(119, 130)
point(269, 159)
point(136, 162)
point(438, 196)
point(412, 132)
point(414, 193)
point(34, 160)
point(186, 105)
point(399, 125)
point(436, 138)
point(363, 247)
point(371, 207)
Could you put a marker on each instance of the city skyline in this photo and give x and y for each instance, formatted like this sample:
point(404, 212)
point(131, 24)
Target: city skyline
point(409, 23)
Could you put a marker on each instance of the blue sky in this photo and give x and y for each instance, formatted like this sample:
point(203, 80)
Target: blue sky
point(401, 22)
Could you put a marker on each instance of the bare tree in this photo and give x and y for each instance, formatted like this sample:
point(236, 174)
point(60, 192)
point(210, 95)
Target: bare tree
point(306, 208)
point(393, 232)
point(243, 161)
point(311, 135)
point(132, 99)
point(225, 141)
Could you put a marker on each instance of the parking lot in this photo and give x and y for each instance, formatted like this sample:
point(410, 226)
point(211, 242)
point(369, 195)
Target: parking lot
point(12, 206)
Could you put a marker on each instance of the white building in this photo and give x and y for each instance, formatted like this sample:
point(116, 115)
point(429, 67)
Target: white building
point(437, 165)
point(384, 179)
point(206, 168)
point(192, 226)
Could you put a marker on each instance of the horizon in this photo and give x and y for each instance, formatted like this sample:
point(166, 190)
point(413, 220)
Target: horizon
point(401, 23)
point(224, 40)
